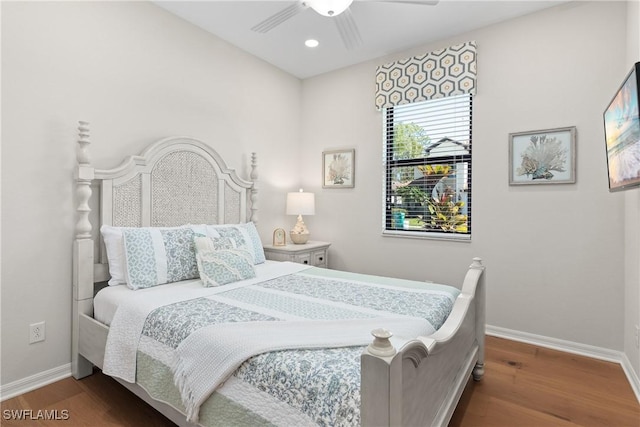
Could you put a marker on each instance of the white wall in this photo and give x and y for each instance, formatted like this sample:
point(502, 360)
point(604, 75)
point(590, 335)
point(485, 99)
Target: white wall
point(137, 74)
point(555, 253)
point(632, 217)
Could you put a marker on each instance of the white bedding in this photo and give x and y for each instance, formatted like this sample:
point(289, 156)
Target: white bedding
point(109, 298)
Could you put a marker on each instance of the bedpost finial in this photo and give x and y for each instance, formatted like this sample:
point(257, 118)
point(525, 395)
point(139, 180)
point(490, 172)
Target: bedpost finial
point(83, 176)
point(254, 166)
point(82, 153)
point(381, 346)
point(254, 189)
point(477, 263)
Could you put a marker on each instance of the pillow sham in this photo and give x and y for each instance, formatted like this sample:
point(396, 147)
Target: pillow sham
point(149, 256)
point(244, 235)
point(155, 256)
point(204, 243)
point(222, 266)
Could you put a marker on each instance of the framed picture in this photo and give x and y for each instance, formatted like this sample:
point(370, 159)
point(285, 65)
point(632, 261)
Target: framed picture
point(543, 157)
point(338, 169)
point(279, 237)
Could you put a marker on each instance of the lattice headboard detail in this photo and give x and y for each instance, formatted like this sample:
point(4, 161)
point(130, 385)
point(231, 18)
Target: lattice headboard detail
point(174, 181)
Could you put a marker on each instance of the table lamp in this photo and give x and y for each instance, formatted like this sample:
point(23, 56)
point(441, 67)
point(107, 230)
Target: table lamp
point(300, 203)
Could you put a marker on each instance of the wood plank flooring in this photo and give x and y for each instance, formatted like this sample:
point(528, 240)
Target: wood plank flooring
point(524, 385)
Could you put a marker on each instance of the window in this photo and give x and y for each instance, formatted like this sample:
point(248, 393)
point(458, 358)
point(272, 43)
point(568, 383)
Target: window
point(428, 168)
point(427, 105)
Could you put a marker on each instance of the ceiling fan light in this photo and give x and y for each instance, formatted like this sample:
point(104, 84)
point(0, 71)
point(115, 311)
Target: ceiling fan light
point(311, 43)
point(329, 7)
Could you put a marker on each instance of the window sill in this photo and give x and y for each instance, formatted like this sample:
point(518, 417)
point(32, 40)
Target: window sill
point(407, 234)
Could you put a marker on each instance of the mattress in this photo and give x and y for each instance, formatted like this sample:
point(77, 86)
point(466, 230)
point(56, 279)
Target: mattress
point(299, 386)
point(109, 298)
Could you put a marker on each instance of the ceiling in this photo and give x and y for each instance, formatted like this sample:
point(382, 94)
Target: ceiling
point(385, 27)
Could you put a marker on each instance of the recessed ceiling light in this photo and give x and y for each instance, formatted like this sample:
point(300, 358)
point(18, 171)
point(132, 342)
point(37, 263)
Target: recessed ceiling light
point(311, 43)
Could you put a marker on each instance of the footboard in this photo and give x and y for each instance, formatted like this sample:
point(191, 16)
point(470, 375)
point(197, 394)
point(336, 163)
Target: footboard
point(419, 382)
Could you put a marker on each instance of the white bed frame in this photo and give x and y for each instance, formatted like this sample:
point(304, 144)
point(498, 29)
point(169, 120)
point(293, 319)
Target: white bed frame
point(404, 383)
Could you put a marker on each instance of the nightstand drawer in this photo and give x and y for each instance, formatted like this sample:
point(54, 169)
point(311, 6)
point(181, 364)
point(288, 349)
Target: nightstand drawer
point(311, 253)
point(319, 258)
point(303, 259)
point(316, 258)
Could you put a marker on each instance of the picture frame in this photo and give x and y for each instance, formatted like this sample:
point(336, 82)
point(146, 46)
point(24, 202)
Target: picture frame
point(543, 156)
point(279, 237)
point(338, 168)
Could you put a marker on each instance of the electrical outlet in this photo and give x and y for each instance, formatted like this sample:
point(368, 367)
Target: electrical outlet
point(36, 332)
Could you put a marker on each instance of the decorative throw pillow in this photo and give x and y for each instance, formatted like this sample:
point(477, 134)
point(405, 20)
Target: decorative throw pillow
point(204, 243)
point(244, 235)
point(222, 266)
point(155, 256)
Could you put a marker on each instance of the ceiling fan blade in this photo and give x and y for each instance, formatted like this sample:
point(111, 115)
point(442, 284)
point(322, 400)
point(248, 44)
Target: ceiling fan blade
point(348, 29)
point(278, 18)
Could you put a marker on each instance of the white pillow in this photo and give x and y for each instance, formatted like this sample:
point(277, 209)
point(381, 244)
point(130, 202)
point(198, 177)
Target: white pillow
point(114, 245)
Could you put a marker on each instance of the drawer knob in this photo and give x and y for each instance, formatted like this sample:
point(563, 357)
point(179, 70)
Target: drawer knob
point(305, 262)
point(320, 258)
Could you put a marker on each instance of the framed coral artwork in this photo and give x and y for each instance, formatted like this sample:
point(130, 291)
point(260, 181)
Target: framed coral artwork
point(338, 169)
point(543, 157)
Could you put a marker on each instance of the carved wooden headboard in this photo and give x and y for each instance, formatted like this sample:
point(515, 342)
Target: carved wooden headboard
point(174, 181)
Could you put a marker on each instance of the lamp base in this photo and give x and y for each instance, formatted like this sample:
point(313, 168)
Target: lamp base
point(300, 233)
point(299, 239)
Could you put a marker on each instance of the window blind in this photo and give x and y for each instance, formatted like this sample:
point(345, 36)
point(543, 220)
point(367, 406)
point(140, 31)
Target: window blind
point(428, 167)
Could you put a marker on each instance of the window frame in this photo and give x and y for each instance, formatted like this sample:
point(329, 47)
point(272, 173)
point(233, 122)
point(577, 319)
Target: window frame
point(390, 164)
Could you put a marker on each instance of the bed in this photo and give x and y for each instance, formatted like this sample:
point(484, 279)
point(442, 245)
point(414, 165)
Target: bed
point(300, 346)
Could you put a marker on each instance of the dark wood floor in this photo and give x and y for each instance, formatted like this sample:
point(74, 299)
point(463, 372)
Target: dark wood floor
point(524, 386)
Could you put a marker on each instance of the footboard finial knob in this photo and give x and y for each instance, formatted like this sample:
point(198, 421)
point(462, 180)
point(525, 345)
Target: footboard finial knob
point(381, 346)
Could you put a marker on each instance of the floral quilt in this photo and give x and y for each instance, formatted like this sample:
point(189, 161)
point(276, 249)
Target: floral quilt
point(289, 387)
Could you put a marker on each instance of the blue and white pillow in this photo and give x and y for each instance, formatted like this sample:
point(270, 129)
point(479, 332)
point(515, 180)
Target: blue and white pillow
point(204, 243)
point(245, 236)
point(222, 266)
point(155, 256)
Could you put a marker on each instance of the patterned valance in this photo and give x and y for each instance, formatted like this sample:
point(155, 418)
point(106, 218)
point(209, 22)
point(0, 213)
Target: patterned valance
point(444, 72)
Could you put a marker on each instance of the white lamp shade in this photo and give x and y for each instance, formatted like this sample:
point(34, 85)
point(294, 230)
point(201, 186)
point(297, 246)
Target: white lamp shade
point(301, 203)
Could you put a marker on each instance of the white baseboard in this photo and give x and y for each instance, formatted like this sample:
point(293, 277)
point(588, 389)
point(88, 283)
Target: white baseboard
point(33, 382)
point(631, 375)
point(572, 347)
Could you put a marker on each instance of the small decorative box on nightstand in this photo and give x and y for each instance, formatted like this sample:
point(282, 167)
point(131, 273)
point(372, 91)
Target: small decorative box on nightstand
point(311, 253)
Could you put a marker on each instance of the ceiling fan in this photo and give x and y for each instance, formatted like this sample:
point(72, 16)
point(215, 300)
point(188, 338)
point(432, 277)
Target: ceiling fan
point(338, 10)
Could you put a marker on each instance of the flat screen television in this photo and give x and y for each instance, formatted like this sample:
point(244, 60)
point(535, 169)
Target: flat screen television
point(622, 134)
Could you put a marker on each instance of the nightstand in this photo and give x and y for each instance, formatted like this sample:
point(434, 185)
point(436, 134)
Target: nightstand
point(311, 253)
